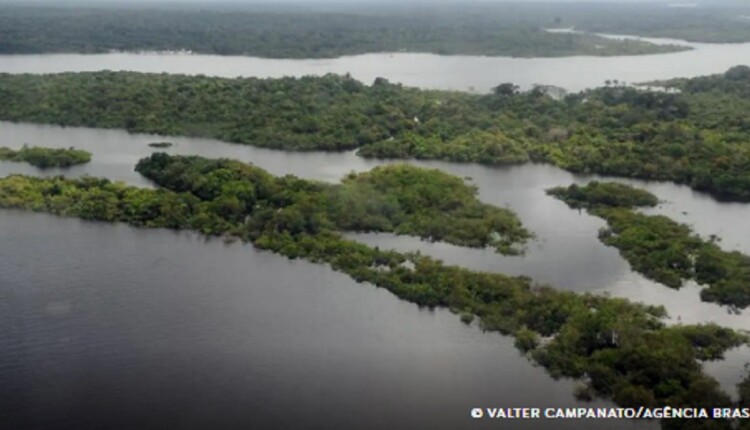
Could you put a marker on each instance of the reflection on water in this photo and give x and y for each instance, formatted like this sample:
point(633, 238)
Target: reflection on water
point(566, 240)
point(118, 328)
point(113, 327)
point(730, 371)
point(115, 153)
point(122, 321)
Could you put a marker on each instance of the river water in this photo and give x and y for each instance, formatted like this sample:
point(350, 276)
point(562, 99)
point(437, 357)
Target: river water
point(115, 327)
point(566, 240)
point(120, 318)
point(110, 327)
point(460, 73)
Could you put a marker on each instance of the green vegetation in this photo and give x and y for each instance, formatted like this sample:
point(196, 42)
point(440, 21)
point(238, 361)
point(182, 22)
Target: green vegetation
point(625, 350)
point(329, 113)
point(744, 391)
point(399, 198)
point(46, 157)
point(160, 144)
point(699, 137)
point(428, 203)
point(660, 248)
point(714, 22)
point(279, 32)
point(596, 194)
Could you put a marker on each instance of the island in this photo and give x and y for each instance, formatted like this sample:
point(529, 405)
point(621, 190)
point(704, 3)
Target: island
point(161, 145)
point(695, 136)
point(660, 248)
point(45, 158)
point(275, 31)
point(620, 350)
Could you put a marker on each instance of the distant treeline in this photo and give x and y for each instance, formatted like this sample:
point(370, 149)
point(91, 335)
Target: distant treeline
point(711, 22)
point(698, 136)
point(307, 33)
point(620, 350)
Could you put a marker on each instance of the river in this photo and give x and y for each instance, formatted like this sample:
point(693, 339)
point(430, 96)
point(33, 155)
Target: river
point(110, 327)
point(460, 73)
point(566, 239)
point(167, 313)
point(115, 327)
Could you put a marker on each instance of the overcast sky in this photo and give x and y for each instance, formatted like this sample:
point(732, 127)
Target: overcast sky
point(704, 3)
point(94, 2)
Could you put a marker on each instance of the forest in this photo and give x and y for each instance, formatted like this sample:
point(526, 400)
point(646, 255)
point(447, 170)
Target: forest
point(714, 22)
point(397, 198)
point(618, 349)
point(278, 31)
point(696, 136)
point(660, 248)
point(696, 133)
point(310, 32)
point(46, 157)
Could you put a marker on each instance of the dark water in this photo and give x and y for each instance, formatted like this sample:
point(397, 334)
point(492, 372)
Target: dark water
point(566, 239)
point(109, 327)
point(114, 327)
point(116, 153)
point(567, 252)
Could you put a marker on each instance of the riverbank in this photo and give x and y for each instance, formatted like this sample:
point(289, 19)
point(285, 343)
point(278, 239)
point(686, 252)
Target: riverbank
point(614, 130)
point(508, 305)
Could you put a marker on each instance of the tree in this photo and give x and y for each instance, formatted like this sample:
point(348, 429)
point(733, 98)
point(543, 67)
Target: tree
point(506, 90)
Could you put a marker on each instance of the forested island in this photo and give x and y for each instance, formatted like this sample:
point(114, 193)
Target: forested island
point(399, 199)
point(691, 131)
point(623, 351)
point(696, 136)
point(161, 145)
point(313, 32)
point(660, 248)
point(46, 157)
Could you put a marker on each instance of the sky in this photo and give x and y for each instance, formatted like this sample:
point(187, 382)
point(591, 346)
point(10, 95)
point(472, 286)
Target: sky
point(95, 2)
point(349, 2)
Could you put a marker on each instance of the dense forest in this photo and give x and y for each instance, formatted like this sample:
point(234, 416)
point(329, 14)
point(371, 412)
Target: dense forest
point(398, 198)
point(698, 136)
point(696, 132)
point(744, 391)
point(283, 32)
point(46, 157)
point(712, 22)
point(660, 248)
point(278, 31)
point(604, 194)
point(621, 350)
point(330, 113)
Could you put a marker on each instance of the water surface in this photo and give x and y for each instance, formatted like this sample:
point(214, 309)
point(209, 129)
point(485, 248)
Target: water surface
point(111, 327)
point(459, 72)
point(566, 252)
